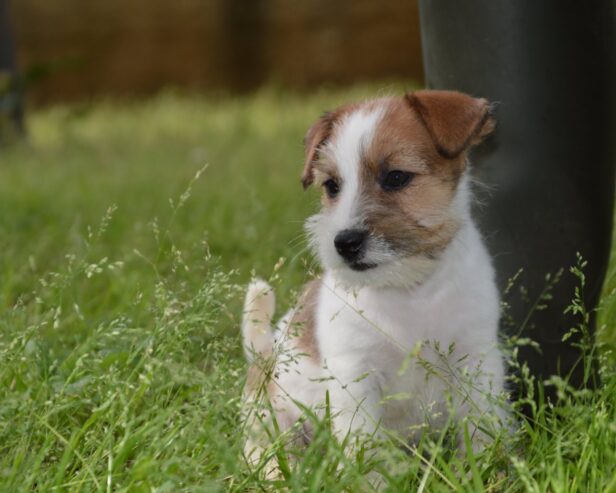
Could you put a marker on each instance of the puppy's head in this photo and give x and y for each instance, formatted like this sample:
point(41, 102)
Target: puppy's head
point(394, 185)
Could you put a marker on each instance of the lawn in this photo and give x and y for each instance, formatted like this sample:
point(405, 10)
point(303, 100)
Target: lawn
point(127, 233)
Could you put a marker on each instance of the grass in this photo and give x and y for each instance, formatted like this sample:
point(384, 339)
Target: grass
point(121, 278)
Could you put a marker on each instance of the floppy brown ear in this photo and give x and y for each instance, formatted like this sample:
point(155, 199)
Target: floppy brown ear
point(317, 135)
point(454, 120)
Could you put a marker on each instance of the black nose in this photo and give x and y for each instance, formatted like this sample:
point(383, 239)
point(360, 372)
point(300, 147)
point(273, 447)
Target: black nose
point(349, 243)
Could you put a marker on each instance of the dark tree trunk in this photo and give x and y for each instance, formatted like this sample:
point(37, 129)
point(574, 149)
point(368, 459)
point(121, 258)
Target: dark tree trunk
point(549, 66)
point(11, 104)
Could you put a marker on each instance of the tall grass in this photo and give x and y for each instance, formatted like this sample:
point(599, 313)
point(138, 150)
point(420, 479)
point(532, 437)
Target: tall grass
point(120, 289)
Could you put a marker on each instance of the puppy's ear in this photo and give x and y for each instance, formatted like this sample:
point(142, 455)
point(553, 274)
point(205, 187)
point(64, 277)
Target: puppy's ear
point(317, 135)
point(455, 121)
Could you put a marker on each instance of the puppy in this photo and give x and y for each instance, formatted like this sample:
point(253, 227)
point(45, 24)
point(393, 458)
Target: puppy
point(407, 304)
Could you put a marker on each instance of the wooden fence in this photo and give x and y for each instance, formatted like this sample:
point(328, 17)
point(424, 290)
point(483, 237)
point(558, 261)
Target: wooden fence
point(74, 49)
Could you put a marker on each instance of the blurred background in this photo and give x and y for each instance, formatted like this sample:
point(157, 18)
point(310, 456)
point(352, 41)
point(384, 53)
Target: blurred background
point(70, 50)
point(124, 101)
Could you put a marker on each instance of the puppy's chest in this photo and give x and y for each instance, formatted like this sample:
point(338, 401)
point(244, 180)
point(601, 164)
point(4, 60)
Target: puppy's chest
point(381, 327)
point(397, 339)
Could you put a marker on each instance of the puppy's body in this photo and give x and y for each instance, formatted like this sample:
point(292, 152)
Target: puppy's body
point(402, 326)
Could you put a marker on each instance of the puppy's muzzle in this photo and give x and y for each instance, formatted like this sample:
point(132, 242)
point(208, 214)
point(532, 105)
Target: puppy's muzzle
point(350, 244)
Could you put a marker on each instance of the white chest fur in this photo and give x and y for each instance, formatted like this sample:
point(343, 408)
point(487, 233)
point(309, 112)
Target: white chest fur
point(397, 355)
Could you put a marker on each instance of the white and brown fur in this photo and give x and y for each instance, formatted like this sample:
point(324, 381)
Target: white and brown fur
point(431, 282)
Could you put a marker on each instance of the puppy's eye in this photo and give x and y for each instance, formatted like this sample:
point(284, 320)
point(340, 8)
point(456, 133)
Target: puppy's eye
point(331, 188)
point(396, 180)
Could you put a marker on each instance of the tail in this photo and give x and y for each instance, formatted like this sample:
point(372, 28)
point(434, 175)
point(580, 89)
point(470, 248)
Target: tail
point(256, 325)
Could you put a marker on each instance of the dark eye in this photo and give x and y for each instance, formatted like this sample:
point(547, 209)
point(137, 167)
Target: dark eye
point(395, 180)
point(331, 188)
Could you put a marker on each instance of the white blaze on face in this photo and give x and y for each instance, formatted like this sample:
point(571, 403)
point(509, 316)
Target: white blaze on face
point(354, 134)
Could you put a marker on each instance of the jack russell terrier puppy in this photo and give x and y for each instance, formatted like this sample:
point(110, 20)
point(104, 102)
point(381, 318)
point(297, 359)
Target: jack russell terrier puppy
point(407, 304)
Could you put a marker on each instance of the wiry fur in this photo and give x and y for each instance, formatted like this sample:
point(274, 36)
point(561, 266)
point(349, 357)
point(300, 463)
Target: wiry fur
point(422, 323)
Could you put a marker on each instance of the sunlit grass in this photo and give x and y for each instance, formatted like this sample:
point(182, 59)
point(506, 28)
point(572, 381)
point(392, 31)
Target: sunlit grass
point(120, 289)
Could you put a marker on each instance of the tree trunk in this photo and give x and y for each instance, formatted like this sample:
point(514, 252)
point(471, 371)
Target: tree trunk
point(11, 105)
point(549, 66)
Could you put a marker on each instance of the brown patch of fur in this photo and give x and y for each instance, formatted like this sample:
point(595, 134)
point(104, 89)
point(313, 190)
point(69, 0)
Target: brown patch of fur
point(411, 220)
point(323, 171)
point(318, 134)
point(302, 324)
point(454, 120)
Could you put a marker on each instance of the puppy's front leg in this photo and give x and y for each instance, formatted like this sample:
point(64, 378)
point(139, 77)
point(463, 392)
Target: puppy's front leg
point(355, 405)
point(355, 396)
point(483, 403)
